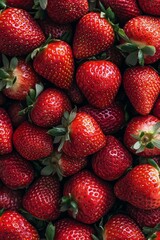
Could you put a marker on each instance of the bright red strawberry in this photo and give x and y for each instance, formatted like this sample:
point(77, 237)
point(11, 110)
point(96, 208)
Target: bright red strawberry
point(93, 35)
point(142, 86)
point(32, 142)
point(156, 108)
point(55, 63)
point(140, 187)
point(27, 5)
point(15, 172)
point(16, 37)
point(10, 199)
point(42, 198)
point(5, 133)
point(111, 161)
point(13, 111)
point(87, 197)
point(142, 136)
point(14, 226)
point(150, 7)
point(75, 94)
point(99, 81)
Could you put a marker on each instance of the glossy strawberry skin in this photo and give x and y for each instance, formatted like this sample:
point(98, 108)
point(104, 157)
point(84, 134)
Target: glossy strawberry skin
point(32, 142)
point(27, 5)
point(142, 86)
point(140, 187)
point(112, 161)
point(93, 35)
point(156, 108)
point(122, 227)
point(14, 226)
point(10, 199)
point(6, 133)
point(99, 81)
point(56, 64)
point(13, 111)
point(151, 7)
point(42, 198)
point(15, 172)
point(93, 196)
point(17, 38)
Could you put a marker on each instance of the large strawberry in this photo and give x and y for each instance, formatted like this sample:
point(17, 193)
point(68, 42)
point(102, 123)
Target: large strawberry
point(150, 7)
point(142, 86)
point(156, 108)
point(14, 226)
point(75, 94)
point(42, 198)
point(99, 81)
point(10, 199)
point(27, 5)
point(16, 37)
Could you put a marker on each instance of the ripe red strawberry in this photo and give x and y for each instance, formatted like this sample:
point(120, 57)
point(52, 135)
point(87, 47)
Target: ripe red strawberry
point(87, 197)
point(14, 226)
point(75, 94)
point(13, 111)
point(140, 187)
point(27, 5)
point(142, 86)
point(113, 55)
point(150, 7)
point(42, 198)
point(156, 108)
point(32, 142)
point(16, 37)
point(142, 136)
point(15, 172)
point(93, 35)
point(5, 133)
point(122, 227)
point(110, 119)
point(111, 161)
point(99, 81)
point(10, 199)
point(62, 11)
point(55, 63)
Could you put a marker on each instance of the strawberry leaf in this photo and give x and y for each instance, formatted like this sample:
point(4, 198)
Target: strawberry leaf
point(5, 62)
point(94, 237)
point(47, 170)
point(156, 127)
point(50, 232)
point(154, 164)
point(132, 59)
point(38, 88)
point(137, 145)
point(150, 145)
point(156, 143)
point(43, 4)
point(141, 57)
point(3, 74)
point(127, 47)
point(13, 63)
point(149, 50)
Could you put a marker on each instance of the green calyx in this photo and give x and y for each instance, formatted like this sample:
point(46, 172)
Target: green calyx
point(99, 231)
point(150, 233)
point(39, 8)
point(3, 4)
point(154, 164)
point(107, 13)
point(50, 231)
point(68, 203)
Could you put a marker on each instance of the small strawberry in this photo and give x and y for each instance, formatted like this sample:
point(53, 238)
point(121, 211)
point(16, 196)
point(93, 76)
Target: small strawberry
point(15, 172)
point(16, 37)
point(99, 81)
point(86, 197)
point(156, 108)
point(32, 142)
point(27, 5)
point(13, 111)
point(150, 7)
point(42, 198)
point(10, 199)
point(114, 56)
point(14, 226)
point(75, 94)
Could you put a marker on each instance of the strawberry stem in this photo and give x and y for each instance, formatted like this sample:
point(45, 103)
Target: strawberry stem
point(68, 203)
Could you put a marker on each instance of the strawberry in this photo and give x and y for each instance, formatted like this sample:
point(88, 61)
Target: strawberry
point(16, 78)
point(150, 7)
point(32, 142)
point(99, 81)
point(42, 198)
point(142, 86)
point(75, 94)
point(16, 37)
point(140, 187)
point(142, 136)
point(156, 108)
point(111, 161)
point(15, 172)
point(87, 197)
point(94, 34)
point(2, 99)
point(9, 199)
point(13, 111)
point(114, 56)
point(14, 226)
point(6, 133)
point(27, 5)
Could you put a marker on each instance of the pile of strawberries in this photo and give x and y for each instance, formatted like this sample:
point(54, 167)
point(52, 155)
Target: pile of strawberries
point(79, 120)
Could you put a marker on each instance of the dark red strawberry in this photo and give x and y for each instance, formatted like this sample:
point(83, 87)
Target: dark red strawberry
point(42, 198)
point(156, 108)
point(114, 56)
point(16, 37)
point(2, 99)
point(150, 7)
point(10, 199)
point(27, 5)
point(13, 110)
point(75, 94)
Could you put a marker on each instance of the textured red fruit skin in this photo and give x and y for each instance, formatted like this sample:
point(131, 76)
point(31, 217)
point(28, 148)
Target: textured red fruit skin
point(75, 94)
point(142, 86)
point(56, 64)
point(42, 198)
point(135, 126)
point(140, 187)
point(93, 35)
point(27, 5)
point(5, 133)
point(10, 199)
point(62, 11)
point(144, 218)
point(146, 31)
point(110, 119)
point(32, 142)
point(114, 56)
point(111, 161)
point(70, 229)
point(122, 227)
point(150, 7)
point(50, 107)
point(86, 137)
point(99, 81)
point(13, 110)
point(16, 37)
point(93, 196)
point(14, 226)
point(15, 172)
point(156, 108)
